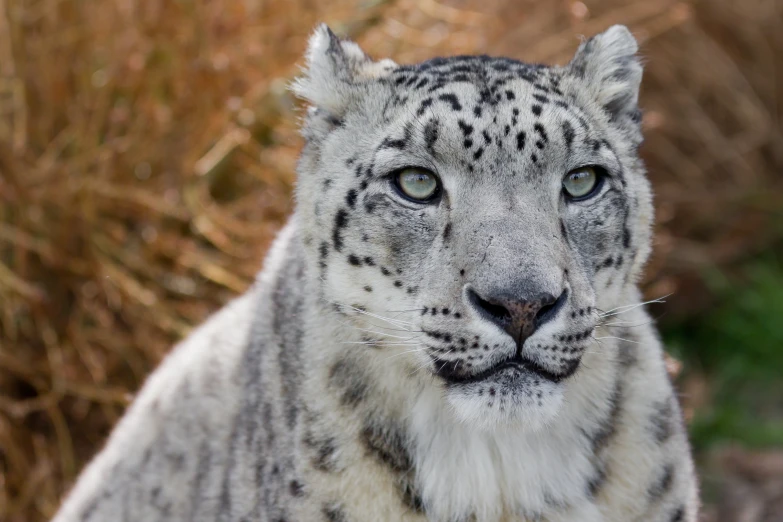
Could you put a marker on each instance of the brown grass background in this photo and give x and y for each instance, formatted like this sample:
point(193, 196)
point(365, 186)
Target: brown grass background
point(147, 152)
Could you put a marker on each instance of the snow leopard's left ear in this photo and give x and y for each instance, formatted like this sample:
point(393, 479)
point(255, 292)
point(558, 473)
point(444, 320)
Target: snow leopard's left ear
point(612, 70)
point(334, 74)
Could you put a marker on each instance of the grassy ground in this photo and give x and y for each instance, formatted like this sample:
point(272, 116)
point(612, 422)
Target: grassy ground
point(732, 386)
point(735, 350)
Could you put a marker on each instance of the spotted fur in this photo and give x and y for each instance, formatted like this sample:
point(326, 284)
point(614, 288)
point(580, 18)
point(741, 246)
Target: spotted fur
point(367, 375)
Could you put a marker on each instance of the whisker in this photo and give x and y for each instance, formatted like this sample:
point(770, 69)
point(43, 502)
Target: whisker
point(620, 338)
point(395, 322)
point(403, 353)
point(623, 324)
point(380, 343)
point(386, 334)
point(627, 308)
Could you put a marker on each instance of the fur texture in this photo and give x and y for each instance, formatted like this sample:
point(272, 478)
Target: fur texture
point(367, 374)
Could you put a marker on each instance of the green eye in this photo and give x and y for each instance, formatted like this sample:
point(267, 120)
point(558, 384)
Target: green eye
point(581, 182)
point(417, 184)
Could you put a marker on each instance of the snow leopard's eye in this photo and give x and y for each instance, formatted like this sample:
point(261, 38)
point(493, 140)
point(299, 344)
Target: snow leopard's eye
point(417, 184)
point(582, 183)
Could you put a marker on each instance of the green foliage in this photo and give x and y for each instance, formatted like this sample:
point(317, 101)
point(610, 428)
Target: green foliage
point(739, 347)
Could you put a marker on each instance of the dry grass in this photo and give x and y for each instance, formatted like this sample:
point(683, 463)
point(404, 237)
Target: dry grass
point(147, 150)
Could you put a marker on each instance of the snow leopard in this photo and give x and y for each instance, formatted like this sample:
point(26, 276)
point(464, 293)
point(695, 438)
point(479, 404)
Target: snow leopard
point(448, 329)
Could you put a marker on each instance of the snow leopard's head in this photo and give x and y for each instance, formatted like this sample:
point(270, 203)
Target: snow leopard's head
point(473, 214)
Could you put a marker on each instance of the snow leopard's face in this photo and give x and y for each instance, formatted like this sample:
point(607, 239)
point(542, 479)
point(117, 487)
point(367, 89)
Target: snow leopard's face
point(473, 215)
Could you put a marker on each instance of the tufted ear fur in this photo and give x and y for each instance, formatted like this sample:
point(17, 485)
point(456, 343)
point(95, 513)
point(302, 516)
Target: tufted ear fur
point(333, 75)
point(612, 70)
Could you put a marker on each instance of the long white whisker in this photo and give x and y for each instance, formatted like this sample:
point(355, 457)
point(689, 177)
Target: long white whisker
point(395, 322)
point(403, 353)
point(386, 334)
point(632, 306)
point(381, 343)
point(620, 338)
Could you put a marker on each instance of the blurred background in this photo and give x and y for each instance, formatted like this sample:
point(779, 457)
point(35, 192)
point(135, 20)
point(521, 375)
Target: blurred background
point(147, 154)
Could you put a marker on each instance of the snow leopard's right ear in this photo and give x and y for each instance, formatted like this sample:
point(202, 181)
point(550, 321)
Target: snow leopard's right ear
point(333, 75)
point(609, 64)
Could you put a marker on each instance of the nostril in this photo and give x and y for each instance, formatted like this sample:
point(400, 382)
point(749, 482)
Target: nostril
point(497, 311)
point(498, 314)
point(547, 312)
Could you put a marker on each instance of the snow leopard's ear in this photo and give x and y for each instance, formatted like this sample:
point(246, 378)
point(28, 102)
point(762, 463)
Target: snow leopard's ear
point(612, 70)
point(334, 74)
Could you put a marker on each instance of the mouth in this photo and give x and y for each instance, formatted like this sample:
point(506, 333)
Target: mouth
point(451, 372)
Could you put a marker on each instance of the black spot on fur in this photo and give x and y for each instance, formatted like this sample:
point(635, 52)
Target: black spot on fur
point(354, 260)
point(521, 140)
point(466, 128)
point(626, 351)
point(334, 514)
point(388, 443)
point(536, 109)
point(431, 134)
point(350, 198)
point(510, 95)
point(596, 482)
point(662, 421)
point(350, 381)
point(323, 253)
point(678, 515)
point(568, 134)
point(411, 498)
point(340, 222)
point(296, 488)
point(323, 460)
point(662, 484)
point(399, 144)
point(601, 437)
point(541, 132)
point(626, 238)
point(540, 98)
point(447, 232)
point(452, 100)
point(426, 102)
point(487, 138)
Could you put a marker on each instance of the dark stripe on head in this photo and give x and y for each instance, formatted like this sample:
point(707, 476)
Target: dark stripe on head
point(568, 134)
point(452, 100)
point(431, 133)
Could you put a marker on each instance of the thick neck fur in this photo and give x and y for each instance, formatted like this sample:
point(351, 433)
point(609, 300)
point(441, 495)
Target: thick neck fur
point(374, 395)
